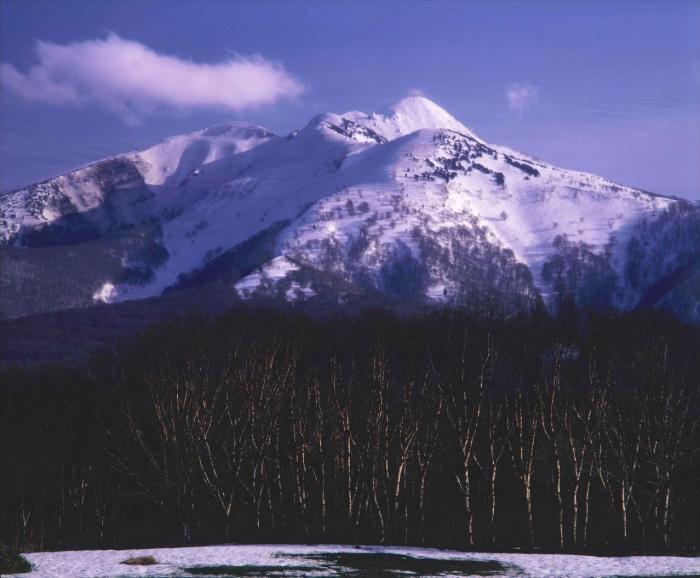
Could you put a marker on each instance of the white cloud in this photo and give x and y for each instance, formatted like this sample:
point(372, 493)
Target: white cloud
point(521, 96)
point(131, 79)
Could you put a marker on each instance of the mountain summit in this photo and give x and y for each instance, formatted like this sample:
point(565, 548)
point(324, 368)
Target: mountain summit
point(409, 115)
point(406, 204)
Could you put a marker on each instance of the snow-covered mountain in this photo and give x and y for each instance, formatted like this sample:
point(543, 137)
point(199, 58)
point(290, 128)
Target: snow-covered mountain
point(407, 203)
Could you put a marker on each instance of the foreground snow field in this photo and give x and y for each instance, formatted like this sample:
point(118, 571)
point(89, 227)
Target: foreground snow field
point(173, 561)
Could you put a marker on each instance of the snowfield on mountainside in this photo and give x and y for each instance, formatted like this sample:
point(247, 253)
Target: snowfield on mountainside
point(407, 203)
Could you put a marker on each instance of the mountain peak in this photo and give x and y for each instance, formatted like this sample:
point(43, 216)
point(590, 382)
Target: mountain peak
point(408, 115)
point(414, 103)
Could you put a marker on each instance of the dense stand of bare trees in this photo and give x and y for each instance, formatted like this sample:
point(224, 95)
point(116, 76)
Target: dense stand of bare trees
point(441, 430)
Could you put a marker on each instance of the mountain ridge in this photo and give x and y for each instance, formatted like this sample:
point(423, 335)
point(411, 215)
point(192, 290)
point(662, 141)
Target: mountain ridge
point(407, 202)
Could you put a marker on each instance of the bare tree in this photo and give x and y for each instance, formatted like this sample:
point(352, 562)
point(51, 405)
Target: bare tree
point(267, 376)
point(580, 427)
point(224, 442)
point(463, 403)
point(551, 416)
point(523, 419)
point(350, 442)
point(621, 461)
point(428, 407)
point(495, 443)
point(668, 425)
point(159, 452)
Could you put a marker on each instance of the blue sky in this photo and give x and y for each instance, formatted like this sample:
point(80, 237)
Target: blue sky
point(602, 86)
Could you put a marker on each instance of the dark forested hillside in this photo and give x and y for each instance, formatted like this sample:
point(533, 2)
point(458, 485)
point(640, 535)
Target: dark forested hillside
point(442, 429)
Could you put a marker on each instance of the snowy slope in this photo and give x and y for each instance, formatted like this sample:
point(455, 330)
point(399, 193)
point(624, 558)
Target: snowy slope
point(408, 202)
point(164, 166)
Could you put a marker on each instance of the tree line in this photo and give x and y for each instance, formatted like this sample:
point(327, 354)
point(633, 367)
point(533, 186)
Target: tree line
point(443, 429)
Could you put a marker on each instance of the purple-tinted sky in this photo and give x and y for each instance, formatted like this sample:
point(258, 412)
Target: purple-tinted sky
point(602, 86)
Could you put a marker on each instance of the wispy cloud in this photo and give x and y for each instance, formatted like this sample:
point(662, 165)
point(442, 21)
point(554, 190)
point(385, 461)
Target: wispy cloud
point(131, 79)
point(520, 97)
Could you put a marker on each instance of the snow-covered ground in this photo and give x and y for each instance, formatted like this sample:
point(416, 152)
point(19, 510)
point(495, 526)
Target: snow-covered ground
point(171, 561)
